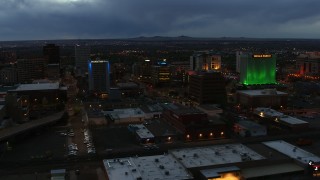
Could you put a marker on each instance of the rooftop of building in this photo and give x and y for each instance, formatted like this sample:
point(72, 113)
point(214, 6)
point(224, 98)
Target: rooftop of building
point(7, 88)
point(292, 151)
point(181, 110)
point(250, 124)
point(152, 108)
point(260, 92)
point(125, 113)
point(215, 155)
point(160, 128)
point(209, 107)
point(37, 87)
point(147, 167)
point(142, 131)
point(127, 85)
point(292, 120)
point(267, 112)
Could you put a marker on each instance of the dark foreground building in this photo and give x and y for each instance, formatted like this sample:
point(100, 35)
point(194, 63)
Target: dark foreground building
point(208, 87)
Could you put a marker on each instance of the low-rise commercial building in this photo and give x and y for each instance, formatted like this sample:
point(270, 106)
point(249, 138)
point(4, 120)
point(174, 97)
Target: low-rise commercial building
point(193, 123)
point(164, 167)
point(125, 116)
point(262, 98)
point(143, 135)
point(280, 119)
point(249, 128)
point(51, 92)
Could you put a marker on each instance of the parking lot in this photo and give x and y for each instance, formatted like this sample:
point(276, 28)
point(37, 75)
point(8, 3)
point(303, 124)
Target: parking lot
point(41, 145)
point(113, 138)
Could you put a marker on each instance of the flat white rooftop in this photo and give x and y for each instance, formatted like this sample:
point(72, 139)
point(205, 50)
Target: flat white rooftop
point(142, 131)
point(125, 113)
point(267, 112)
point(158, 167)
point(292, 120)
point(292, 151)
point(215, 155)
point(264, 92)
point(39, 86)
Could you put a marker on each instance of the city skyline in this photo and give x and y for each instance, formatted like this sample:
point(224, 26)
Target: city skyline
point(99, 19)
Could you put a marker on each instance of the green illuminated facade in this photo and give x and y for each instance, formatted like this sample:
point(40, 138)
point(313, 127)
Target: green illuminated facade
point(258, 69)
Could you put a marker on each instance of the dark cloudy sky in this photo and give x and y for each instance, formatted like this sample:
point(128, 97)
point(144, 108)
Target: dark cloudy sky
point(65, 19)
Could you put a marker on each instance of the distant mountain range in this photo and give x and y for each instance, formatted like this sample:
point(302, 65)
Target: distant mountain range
point(69, 42)
point(188, 38)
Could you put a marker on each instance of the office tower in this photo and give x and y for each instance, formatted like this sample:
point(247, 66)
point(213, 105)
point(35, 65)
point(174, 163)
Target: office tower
point(308, 64)
point(31, 69)
point(53, 71)
point(238, 59)
point(205, 61)
point(99, 75)
point(179, 72)
point(8, 56)
point(51, 53)
point(257, 69)
point(82, 55)
point(160, 74)
point(207, 87)
point(8, 76)
point(143, 70)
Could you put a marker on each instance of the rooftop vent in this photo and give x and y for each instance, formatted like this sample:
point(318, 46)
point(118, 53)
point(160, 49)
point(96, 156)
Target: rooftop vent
point(195, 155)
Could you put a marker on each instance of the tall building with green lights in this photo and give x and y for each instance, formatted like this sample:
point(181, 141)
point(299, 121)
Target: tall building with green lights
point(257, 69)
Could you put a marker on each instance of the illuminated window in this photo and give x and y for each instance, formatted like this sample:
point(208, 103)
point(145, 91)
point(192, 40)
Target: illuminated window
point(200, 135)
point(261, 114)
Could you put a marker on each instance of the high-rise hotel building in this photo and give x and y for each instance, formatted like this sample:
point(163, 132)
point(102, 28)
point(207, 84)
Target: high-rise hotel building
point(99, 75)
point(257, 68)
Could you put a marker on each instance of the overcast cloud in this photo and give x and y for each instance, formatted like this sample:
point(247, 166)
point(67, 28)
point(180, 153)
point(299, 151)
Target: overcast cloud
point(61, 19)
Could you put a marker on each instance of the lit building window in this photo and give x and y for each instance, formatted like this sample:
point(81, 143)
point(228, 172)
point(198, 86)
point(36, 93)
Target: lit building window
point(261, 114)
